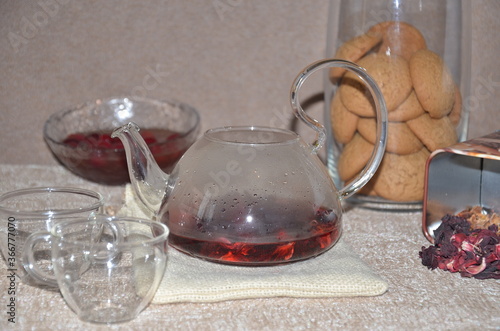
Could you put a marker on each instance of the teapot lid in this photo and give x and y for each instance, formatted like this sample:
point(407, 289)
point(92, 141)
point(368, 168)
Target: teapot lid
point(251, 135)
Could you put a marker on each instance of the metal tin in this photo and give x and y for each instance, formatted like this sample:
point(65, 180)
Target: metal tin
point(464, 175)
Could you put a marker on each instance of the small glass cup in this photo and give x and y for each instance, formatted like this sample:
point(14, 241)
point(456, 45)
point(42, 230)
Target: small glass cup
point(107, 268)
point(26, 211)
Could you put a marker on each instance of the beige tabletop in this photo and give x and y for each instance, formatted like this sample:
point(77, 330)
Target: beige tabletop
point(417, 298)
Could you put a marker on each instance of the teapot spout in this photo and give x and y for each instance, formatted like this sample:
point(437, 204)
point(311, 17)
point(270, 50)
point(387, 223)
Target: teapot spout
point(148, 179)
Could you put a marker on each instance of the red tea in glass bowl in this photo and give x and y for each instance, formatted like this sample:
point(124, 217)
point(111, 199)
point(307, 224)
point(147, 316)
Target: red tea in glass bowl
point(102, 159)
point(80, 137)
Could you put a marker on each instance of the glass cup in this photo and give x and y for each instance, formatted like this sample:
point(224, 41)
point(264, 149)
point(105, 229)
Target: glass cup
point(26, 211)
point(107, 268)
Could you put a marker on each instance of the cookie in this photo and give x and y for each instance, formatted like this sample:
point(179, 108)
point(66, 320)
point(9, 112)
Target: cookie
point(408, 110)
point(401, 177)
point(400, 139)
point(354, 157)
point(392, 75)
point(353, 50)
point(456, 112)
point(343, 122)
point(433, 133)
point(432, 82)
point(399, 38)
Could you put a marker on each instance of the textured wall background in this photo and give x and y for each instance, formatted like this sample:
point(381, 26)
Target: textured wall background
point(234, 60)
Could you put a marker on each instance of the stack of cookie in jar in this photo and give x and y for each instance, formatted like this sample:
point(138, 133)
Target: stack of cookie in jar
point(423, 103)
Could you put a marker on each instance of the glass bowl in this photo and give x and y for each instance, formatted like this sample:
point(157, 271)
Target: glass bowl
point(80, 137)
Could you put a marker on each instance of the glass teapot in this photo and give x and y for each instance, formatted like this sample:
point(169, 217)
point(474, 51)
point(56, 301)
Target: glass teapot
point(251, 195)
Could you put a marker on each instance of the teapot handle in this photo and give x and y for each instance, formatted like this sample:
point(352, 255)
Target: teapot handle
point(381, 112)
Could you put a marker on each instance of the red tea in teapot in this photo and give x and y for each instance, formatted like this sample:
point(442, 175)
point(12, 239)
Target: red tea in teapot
point(277, 242)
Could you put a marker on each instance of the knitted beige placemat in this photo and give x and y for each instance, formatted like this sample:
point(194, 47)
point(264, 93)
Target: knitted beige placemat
point(338, 272)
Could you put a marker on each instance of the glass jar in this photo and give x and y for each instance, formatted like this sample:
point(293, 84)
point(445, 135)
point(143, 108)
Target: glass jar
point(418, 52)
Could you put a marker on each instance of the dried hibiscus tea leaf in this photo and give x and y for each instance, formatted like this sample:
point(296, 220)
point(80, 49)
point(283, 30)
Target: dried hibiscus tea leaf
point(480, 218)
point(461, 247)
